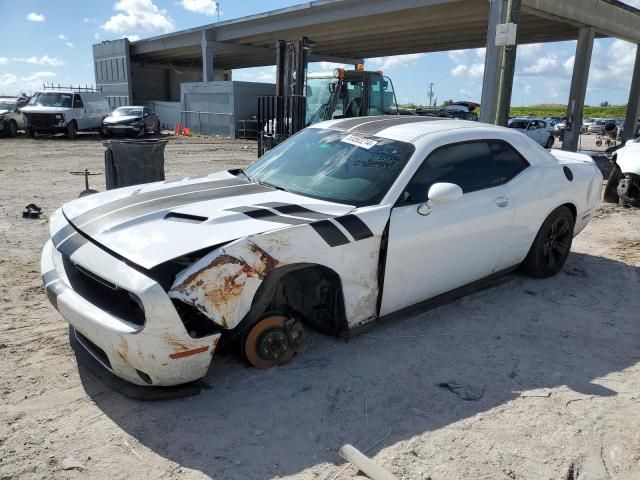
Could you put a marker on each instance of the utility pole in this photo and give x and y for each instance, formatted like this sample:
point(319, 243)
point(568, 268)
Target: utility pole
point(508, 68)
point(430, 94)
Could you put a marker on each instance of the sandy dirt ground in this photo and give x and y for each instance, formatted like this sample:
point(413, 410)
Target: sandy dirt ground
point(554, 366)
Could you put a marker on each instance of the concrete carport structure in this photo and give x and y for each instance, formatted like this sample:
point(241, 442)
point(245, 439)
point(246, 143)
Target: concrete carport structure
point(346, 31)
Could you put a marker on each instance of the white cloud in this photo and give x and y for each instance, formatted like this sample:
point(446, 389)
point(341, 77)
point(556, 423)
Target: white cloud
point(89, 20)
point(474, 70)
point(328, 66)
point(69, 44)
point(397, 61)
point(43, 60)
point(11, 84)
point(138, 15)
point(35, 17)
point(97, 36)
point(206, 7)
point(132, 38)
point(4, 60)
point(542, 66)
point(62, 36)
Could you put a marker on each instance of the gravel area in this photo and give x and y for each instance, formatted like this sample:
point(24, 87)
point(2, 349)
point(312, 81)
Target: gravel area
point(543, 376)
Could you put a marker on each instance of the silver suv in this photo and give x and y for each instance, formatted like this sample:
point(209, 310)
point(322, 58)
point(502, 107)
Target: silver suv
point(11, 118)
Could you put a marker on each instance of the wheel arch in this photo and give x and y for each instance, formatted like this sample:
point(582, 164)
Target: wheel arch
point(311, 290)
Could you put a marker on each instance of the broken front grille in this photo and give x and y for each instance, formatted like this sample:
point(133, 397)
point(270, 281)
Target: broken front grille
point(43, 119)
point(104, 294)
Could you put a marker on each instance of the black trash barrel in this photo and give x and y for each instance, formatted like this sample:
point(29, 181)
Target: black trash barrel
point(131, 162)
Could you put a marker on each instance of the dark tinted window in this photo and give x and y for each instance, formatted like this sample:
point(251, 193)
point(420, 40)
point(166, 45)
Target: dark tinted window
point(520, 124)
point(471, 165)
point(77, 102)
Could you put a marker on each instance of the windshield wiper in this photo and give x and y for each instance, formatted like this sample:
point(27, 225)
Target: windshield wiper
point(243, 173)
point(267, 184)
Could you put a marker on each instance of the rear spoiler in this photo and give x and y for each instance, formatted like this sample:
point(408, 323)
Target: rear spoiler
point(571, 157)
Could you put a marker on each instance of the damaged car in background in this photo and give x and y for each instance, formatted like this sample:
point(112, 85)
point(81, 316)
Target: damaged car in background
point(623, 186)
point(346, 222)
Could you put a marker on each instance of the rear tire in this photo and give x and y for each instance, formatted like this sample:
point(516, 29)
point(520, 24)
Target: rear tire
point(72, 130)
point(13, 128)
point(550, 142)
point(552, 245)
point(611, 189)
point(156, 128)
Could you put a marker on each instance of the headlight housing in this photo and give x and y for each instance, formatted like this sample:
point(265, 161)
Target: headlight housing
point(60, 118)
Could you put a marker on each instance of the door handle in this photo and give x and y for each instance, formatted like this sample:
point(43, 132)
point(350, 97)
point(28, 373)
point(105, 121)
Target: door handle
point(502, 201)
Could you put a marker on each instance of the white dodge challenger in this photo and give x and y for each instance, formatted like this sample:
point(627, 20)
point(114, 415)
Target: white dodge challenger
point(344, 223)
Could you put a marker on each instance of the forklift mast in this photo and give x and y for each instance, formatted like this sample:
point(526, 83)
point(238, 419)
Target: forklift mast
point(302, 99)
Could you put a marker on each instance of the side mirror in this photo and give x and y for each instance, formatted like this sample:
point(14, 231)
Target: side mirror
point(439, 194)
point(332, 87)
point(385, 85)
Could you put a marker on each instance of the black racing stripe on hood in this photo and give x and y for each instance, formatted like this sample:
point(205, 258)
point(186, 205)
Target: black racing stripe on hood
point(330, 233)
point(295, 210)
point(268, 215)
point(373, 125)
point(355, 226)
point(71, 244)
point(92, 227)
point(63, 233)
point(160, 193)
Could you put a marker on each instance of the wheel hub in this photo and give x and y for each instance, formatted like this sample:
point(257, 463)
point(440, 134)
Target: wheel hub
point(273, 344)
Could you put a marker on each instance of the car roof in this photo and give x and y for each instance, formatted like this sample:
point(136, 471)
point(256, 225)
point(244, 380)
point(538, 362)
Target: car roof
point(404, 128)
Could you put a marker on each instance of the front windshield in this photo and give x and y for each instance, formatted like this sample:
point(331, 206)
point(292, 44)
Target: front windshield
point(50, 99)
point(334, 165)
point(318, 95)
point(127, 111)
point(6, 105)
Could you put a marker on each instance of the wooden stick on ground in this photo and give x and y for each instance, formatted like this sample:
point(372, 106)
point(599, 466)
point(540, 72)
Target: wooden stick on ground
point(374, 471)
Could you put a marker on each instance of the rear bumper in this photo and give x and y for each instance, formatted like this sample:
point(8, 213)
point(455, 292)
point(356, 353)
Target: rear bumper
point(158, 352)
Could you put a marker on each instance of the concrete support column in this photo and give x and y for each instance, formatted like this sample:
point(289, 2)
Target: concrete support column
point(492, 61)
point(581, 65)
point(208, 57)
point(633, 106)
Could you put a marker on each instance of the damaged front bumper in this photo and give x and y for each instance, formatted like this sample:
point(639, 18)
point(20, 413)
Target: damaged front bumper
point(123, 318)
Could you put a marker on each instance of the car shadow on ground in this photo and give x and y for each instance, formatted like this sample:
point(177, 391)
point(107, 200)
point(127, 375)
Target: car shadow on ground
point(520, 335)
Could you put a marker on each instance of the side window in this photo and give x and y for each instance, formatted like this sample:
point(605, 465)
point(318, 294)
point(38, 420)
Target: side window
point(77, 101)
point(508, 162)
point(471, 165)
point(542, 124)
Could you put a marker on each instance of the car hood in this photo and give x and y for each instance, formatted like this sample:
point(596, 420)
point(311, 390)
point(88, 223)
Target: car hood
point(153, 223)
point(41, 109)
point(121, 119)
point(2, 112)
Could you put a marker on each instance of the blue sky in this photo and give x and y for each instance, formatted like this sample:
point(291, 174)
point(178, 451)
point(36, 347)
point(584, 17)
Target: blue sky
point(53, 43)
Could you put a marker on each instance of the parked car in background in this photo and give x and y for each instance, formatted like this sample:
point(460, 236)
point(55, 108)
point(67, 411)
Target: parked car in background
point(11, 117)
point(131, 120)
point(537, 129)
point(586, 123)
point(623, 185)
point(599, 125)
point(65, 110)
point(345, 222)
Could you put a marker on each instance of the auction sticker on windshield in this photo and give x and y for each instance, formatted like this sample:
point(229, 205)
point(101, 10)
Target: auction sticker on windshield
point(359, 141)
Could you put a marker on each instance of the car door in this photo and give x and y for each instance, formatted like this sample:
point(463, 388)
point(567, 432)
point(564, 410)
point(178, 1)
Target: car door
point(19, 116)
point(455, 243)
point(148, 119)
point(81, 115)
